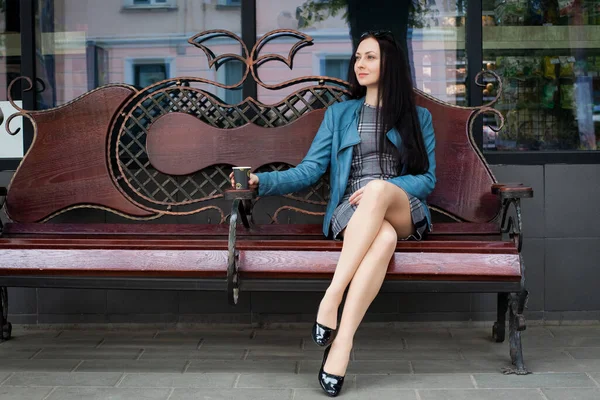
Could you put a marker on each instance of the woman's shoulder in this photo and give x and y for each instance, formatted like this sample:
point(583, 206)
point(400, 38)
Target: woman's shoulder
point(423, 113)
point(343, 106)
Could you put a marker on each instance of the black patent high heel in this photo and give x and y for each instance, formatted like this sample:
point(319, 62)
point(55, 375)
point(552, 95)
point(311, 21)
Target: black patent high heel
point(331, 384)
point(322, 335)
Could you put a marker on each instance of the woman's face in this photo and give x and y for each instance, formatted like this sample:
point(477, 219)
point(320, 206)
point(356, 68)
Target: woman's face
point(367, 63)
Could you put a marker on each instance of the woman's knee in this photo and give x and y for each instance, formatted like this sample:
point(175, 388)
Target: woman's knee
point(375, 188)
point(387, 236)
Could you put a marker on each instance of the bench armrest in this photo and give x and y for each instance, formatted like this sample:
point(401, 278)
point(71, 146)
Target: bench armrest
point(511, 194)
point(242, 204)
point(512, 190)
point(241, 207)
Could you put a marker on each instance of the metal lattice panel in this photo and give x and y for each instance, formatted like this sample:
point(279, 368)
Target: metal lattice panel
point(181, 195)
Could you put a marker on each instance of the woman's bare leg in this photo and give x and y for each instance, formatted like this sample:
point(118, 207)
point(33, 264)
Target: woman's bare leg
point(363, 290)
point(381, 200)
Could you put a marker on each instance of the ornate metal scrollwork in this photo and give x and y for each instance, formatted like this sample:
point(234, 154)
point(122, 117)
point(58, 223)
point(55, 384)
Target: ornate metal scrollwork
point(150, 189)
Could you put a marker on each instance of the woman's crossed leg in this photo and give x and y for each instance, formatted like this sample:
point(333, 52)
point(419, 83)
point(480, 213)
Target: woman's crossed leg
point(370, 238)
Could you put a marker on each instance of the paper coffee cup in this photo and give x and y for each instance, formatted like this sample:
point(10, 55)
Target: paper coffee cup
point(241, 175)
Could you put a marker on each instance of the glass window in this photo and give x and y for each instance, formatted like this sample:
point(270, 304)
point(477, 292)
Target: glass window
point(433, 33)
point(10, 68)
point(548, 55)
point(233, 72)
point(82, 44)
point(335, 67)
point(146, 74)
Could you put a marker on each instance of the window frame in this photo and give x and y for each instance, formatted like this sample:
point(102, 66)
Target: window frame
point(221, 78)
point(319, 59)
point(229, 3)
point(132, 62)
point(152, 4)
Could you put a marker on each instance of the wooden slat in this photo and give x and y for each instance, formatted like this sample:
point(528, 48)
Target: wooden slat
point(181, 144)
point(213, 229)
point(66, 165)
point(426, 266)
point(243, 244)
point(114, 262)
point(463, 178)
point(253, 263)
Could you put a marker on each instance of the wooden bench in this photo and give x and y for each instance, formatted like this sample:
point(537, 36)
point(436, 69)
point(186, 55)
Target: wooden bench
point(166, 151)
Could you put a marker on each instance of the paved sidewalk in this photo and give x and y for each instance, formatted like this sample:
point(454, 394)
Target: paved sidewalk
point(264, 364)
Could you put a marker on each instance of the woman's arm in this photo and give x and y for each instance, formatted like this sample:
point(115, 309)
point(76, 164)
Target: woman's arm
point(310, 169)
point(422, 185)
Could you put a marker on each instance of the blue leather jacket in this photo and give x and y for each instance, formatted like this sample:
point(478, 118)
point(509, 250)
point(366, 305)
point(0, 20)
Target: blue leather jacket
point(332, 146)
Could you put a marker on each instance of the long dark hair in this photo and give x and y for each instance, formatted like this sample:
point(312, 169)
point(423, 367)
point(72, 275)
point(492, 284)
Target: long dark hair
point(396, 96)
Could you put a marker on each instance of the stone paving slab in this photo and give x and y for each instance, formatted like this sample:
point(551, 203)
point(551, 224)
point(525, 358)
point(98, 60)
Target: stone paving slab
point(24, 353)
point(193, 354)
point(362, 367)
point(421, 381)
point(596, 377)
point(63, 379)
point(25, 341)
point(502, 351)
point(584, 353)
point(457, 366)
point(24, 393)
point(39, 365)
point(4, 376)
point(541, 380)
point(252, 343)
point(101, 334)
point(280, 381)
point(353, 394)
point(233, 394)
point(481, 394)
point(592, 366)
point(163, 366)
point(278, 354)
point(572, 394)
point(486, 332)
point(243, 366)
point(87, 353)
point(190, 343)
point(408, 354)
point(579, 331)
point(78, 393)
point(149, 380)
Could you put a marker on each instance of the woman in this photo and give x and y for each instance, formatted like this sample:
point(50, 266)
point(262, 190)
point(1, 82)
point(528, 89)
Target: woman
point(380, 150)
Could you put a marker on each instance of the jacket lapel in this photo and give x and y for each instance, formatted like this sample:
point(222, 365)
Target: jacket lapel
point(351, 136)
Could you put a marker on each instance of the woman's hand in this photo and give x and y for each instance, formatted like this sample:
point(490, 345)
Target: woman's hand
point(356, 196)
point(252, 182)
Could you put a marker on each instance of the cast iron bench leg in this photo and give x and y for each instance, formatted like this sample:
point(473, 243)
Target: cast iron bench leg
point(499, 329)
point(5, 326)
point(516, 324)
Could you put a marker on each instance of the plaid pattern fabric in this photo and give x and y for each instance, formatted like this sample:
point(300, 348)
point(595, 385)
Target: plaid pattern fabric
point(366, 167)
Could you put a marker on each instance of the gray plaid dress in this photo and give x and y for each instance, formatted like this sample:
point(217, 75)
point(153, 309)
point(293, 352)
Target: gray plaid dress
point(366, 167)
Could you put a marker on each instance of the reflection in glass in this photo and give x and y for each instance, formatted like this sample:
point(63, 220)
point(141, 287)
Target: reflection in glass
point(432, 34)
point(10, 68)
point(547, 53)
point(83, 44)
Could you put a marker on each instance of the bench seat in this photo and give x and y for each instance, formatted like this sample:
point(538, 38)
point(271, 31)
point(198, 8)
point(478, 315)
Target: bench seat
point(454, 252)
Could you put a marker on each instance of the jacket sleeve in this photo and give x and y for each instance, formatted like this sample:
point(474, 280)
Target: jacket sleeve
point(310, 169)
point(421, 185)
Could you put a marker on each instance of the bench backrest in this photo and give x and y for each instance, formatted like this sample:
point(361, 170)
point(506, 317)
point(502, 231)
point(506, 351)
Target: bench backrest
point(168, 149)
